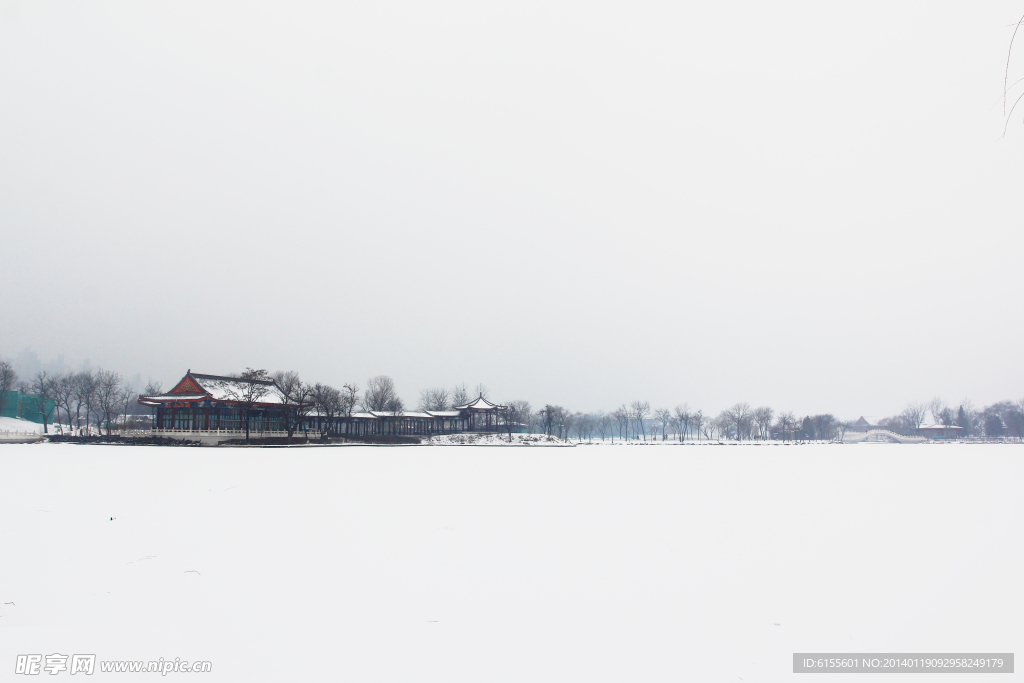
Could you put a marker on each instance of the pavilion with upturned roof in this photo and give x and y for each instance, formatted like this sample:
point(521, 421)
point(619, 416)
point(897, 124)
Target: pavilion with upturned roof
point(482, 414)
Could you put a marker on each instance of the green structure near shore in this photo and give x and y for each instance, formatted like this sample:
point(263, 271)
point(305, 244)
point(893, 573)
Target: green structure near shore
point(24, 406)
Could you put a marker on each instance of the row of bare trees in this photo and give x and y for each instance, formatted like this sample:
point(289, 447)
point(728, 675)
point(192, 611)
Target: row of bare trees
point(1004, 419)
point(79, 400)
point(327, 402)
point(1000, 420)
point(102, 400)
point(443, 398)
point(636, 421)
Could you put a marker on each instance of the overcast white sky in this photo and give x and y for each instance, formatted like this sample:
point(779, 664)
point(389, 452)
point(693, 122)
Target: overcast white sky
point(802, 204)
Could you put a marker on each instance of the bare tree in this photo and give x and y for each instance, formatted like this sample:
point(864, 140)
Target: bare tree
point(603, 422)
point(426, 400)
point(913, 415)
point(126, 398)
point(380, 394)
point(302, 397)
point(664, 416)
point(537, 422)
point(585, 423)
point(709, 427)
point(569, 421)
point(438, 398)
point(697, 420)
point(621, 417)
point(515, 415)
point(481, 390)
point(547, 417)
point(85, 396)
point(329, 404)
point(287, 381)
point(786, 424)
point(681, 418)
point(763, 419)
point(42, 387)
point(640, 411)
point(64, 393)
point(992, 418)
point(349, 398)
point(825, 426)
point(299, 394)
point(460, 395)
point(739, 419)
point(725, 423)
point(557, 421)
point(108, 397)
point(942, 414)
point(589, 425)
point(8, 380)
point(968, 417)
point(253, 386)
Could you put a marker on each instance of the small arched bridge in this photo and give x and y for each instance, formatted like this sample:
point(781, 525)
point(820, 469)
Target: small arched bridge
point(882, 436)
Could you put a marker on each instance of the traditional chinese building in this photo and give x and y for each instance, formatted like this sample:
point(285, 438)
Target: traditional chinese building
point(212, 409)
point(482, 415)
point(479, 415)
point(861, 425)
point(945, 432)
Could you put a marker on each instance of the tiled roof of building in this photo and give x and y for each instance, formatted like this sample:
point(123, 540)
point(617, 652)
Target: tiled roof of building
point(197, 387)
point(480, 403)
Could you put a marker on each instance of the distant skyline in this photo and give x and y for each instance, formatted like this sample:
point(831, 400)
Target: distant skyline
point(787, 204)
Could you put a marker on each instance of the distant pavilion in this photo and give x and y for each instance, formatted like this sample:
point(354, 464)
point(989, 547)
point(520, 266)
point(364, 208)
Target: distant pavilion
point(941, 432)
point(861, 425)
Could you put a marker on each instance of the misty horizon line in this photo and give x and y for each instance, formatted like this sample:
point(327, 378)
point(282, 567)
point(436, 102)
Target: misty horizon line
point(1009, 413)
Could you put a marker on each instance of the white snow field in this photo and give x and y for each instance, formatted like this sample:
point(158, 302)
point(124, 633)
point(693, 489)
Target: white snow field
point(18, 425)
point(508, 564)
point(496, 439)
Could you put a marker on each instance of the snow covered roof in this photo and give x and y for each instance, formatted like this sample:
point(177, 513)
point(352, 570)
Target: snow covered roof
point(378, 414)
point(232, 388)
point(480, 403)
point(404, 413)
point(164, 398)
point(198, 387)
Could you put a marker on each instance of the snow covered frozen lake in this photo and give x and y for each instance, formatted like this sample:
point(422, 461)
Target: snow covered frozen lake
point(509, 564)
